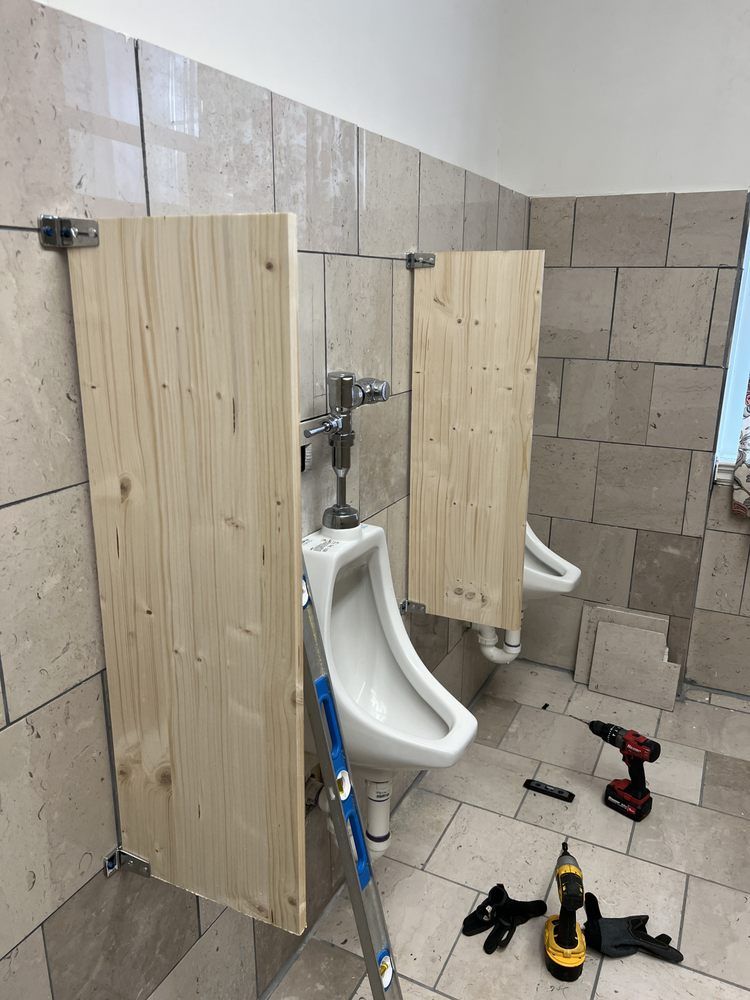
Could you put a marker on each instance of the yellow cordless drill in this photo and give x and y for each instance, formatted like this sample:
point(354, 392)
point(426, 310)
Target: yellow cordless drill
point(564, 943)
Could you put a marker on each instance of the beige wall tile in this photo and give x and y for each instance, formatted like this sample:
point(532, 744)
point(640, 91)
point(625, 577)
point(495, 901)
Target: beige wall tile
point(641, 487)
point(720, 516)
point(717, 656)
point(629, 663)
point(622, 230)
point(540, 525)
point(358, 315)
point(383, 441)
point(388, 196)
point(696, 500)
point(429, 636)
point(398, 545)
point(208, 911)
point(662, 314)
point(576, 312)
point(23, 971)
point(563, 477)
point(58, 820)
point(745, 606)
point(725, 300)
point(50, 626)
point(550, 630)
point(315, 164)
point(722, 572)
point(441, 204)
point(207, 136)
point(450, 671)
point(592, 615)
point(312, 336)
point(685, 407)
point(665, 572)
point(73, 121)
point(402, 328)
point(551, 229)
point(221, 964)
point(677, 639)
point(120, 935)
point(319, 481)
point(480, 213)
point(476, 669)
point(547, 402)
point(606, 400)
point(41, 432)
point(706, 228)
point(603, 554)
point(512, 220)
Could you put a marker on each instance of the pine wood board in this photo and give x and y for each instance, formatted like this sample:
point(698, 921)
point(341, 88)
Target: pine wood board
point(187, 348)
point(476, 339)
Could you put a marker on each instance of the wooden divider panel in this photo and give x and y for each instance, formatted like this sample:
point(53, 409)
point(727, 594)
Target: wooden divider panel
point(476, 337)
point(186, 333)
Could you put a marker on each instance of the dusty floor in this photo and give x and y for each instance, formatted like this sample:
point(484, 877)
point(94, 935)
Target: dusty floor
point(459, 831)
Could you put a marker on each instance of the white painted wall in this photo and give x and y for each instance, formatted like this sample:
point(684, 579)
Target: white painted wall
point(424, 72)
point(548, 96)
point(619, 96)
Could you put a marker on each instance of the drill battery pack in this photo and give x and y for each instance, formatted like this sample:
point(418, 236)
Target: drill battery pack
point(618, 796)
point(565, 964)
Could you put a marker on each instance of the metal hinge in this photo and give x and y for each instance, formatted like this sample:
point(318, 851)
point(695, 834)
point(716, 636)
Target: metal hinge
point(407, 607)
point(56, 233)
point(415, 260)
point(130, 862)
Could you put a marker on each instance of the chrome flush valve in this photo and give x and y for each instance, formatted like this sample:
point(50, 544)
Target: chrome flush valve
point(345, 393)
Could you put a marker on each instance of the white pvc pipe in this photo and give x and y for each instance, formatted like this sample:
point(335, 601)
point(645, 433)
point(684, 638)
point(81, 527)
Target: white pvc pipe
point(378, 831)
point(488, 643)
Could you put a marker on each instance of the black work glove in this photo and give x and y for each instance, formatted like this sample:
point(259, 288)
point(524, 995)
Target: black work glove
point(619, 937)
point(500, 915)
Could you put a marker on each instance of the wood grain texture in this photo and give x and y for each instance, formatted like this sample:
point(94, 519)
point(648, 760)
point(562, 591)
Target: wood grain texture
point(476, 337)
point(186, 334)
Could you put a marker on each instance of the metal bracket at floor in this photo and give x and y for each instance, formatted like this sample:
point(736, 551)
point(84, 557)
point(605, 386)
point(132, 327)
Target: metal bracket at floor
point(120, 859)
point(57, 233)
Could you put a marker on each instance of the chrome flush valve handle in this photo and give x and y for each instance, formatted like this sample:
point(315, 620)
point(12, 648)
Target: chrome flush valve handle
point(372, 390)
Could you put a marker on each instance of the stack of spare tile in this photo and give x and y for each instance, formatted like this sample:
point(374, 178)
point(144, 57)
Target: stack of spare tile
point(624, 653)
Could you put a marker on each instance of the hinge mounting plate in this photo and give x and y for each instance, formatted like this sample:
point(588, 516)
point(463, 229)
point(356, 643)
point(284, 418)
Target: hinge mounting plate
point(416, 260)
point(57, 233)
point(131, 862)
point(407, 607)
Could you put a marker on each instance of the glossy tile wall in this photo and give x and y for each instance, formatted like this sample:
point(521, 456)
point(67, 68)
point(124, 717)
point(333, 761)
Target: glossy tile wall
point(81, 99)
point(636, 311)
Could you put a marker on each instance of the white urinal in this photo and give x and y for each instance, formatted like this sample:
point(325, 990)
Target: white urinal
point(393, 712)
point(544, 572)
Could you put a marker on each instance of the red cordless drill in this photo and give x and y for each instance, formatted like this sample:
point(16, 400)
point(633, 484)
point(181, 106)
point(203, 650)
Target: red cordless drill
point(629, 796)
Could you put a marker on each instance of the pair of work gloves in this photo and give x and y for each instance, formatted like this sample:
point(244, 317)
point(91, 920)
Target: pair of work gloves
point(616, 937)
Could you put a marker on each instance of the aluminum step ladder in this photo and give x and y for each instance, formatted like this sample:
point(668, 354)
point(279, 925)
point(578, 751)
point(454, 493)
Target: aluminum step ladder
point(344, 811)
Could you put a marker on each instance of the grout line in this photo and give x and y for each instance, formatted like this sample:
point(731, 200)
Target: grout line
point(592, 995)
point(427, 860)
point(356, 184)
point(112, 761)
point(46, 962)
point(4, 695)
point(141, 123)
point(419, 192)
point(669, 231)
point(497, 218)
point(630, 839)
point(19, 229)
point(711, 317)
point(38, 496)
point(62, 694)
point(682, 912)
point(463, 227)
point(612, 316)
point(703, 778)
point(572, 233)
point(474, 905)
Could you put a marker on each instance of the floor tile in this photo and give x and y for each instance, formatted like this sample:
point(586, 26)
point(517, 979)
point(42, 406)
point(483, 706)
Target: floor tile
point(493, 716)
point(517, 972)
point(684, 836)
point(320, 969)
point(417, 825)
point(484, 777)
point(716, 931)
point(708, 727)
point(480, 848)
point(586, 816)
point(530, 684)
point(625, 885)
point(23, 971)
point(734, 702)
point(726, 786)
point(677, 773)
point(593, 614)
point(642, 977)
point(555, 739)
point(589, 705)
point(409, 990)
point(423, 913)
